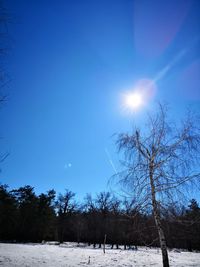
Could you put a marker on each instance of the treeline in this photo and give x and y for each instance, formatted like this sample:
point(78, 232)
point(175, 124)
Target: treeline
point(27, 217)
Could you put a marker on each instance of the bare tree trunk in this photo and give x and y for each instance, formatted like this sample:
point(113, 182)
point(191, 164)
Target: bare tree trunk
point(157, 219)
point(162, 239)
point(104, 244)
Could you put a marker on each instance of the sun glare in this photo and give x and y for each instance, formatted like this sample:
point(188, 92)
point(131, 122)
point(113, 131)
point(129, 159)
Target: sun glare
point(133, 100)
point(139, 96)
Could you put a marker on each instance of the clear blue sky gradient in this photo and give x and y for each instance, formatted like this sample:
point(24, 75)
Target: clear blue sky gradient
point(70, 62)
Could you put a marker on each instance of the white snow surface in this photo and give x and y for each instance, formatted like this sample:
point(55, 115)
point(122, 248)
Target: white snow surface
point(70, 255)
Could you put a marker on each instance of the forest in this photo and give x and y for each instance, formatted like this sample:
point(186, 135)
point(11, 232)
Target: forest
point(28, 217)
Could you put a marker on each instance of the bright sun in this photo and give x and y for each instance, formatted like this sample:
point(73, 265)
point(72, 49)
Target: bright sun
point(133, 100)
point(139, 96)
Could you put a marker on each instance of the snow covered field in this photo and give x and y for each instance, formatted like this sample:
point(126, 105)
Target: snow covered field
point(69, 255)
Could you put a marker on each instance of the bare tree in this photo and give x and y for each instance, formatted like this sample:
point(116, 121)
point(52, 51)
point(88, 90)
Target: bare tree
point(103, 203)
point(5, 18)
point(66, 206)
point(160, 163)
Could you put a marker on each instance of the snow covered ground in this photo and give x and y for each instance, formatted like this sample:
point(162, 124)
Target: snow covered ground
point(69, 255)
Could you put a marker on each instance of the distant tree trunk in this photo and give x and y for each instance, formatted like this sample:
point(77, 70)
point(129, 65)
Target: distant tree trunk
point(104, 244)
point(61, 235)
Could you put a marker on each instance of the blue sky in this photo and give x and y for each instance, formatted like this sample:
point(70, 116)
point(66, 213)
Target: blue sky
point(70, 63)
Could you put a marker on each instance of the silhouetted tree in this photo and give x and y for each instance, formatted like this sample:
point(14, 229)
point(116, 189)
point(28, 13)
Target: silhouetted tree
point(103, 204)
point(92, 220)
point(46, 215)
point(27, 209)
point(66, 206)
point(8, 214)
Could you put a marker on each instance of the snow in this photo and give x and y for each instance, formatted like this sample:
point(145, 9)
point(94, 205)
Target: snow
point(69, 255)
